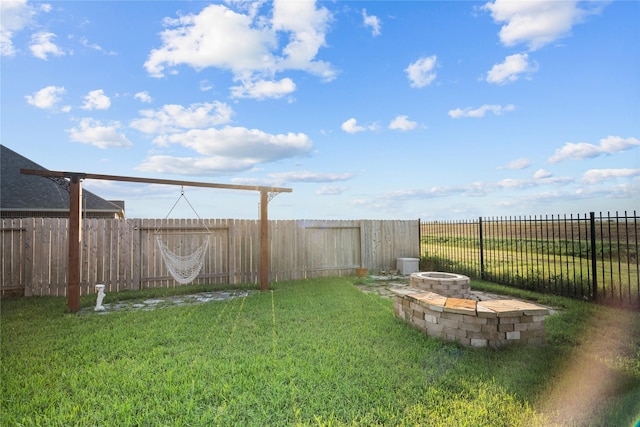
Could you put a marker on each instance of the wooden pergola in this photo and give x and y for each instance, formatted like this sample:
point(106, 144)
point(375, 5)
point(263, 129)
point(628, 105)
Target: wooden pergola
point(75, 219)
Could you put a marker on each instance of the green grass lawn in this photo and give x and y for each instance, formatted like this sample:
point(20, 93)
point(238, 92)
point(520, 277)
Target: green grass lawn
point(314, 352)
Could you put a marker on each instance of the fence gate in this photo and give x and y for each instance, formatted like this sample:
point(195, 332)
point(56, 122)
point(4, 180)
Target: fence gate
point(340, 250)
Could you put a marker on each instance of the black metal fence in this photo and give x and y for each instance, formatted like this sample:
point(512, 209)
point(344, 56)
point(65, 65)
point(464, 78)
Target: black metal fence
point(589, 256)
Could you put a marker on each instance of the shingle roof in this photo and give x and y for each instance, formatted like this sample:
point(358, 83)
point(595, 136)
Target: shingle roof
point(20, 192)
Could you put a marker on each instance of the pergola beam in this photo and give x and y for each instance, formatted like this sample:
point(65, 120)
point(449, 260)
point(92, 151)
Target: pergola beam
point(75, 219)
point(59, 174)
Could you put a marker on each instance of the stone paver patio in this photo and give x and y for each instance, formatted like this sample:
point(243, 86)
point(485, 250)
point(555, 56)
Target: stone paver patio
point(171, 301)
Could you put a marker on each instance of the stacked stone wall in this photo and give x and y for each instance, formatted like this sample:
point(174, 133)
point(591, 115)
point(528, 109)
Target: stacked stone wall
point(493, 323)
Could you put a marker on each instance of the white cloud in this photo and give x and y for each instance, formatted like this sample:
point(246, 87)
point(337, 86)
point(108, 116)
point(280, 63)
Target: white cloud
point(538, 23)
point(96, 100)
point(306, 26)
point(94, 46)
point(46, 97)
point(205, 85)
point(307, 176)
point(262, 89)
point(402, 123)
point(219, 151)
point(517, 164)
point(583, 150)
point(93, 132)
point(351, 126)
point(535, 182)
point(511, 69)
point(480, 112)
point(42, 45)
point(594, 176)
point(475, 189)
point(174, 118)
point(241, 143)
point(216, 37)
point(331, 190)
point(251, 181)
point(203, 166)
point(226, 151)
point(514, 183)
point(247, 45)
point(517, 192)
point(15, 15)
point(619, 191)
point(421, 73)
point(143, 97)
point(371, 21)
point(541, 174)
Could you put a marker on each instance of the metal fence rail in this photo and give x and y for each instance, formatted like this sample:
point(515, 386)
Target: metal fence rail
point(589, 256)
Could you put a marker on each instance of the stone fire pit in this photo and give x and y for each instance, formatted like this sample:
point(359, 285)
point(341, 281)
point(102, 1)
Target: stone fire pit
point(439, 304)
point(446, 284)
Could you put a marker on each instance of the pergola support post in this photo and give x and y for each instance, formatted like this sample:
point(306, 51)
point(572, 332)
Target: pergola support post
point(264, 240)
point(75, 238)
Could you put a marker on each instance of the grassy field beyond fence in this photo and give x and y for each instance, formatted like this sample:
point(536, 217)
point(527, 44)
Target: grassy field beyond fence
point(591, 257)
point(318, 352)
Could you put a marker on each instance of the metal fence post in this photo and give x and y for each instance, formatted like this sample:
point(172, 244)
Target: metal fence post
point(481, 250)
point(594, 265)
point(419, 238)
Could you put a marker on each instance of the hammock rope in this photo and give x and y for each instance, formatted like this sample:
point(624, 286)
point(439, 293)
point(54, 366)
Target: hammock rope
point(183, 268)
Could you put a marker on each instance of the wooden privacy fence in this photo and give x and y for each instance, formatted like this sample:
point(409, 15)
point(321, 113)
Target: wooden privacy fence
point(122, 254)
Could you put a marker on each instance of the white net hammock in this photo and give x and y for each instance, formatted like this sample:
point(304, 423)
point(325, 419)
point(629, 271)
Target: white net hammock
point(183, 256)
point(184, 268)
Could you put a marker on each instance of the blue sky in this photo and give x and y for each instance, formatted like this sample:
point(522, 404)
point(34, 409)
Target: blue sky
point(367, 110)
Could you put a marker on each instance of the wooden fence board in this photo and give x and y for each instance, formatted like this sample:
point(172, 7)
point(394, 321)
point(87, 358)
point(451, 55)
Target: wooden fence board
point(101, 255)
point(230, 243)
point(87, 256)
point(59, 251)
point(122, 257)
point(135, 255)
point(28, 255)
point(42, 258)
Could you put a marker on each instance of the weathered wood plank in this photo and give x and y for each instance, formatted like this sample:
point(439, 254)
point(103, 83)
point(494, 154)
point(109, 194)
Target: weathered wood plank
point(100, 254)
point(135, 255)
point(59, 254)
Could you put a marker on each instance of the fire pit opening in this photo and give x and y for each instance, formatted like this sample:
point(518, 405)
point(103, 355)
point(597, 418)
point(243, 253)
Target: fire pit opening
point(446, 284)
